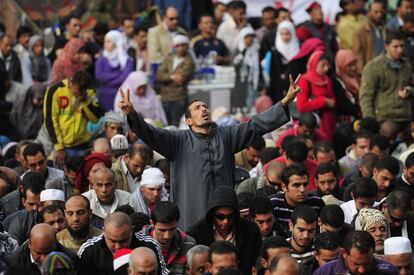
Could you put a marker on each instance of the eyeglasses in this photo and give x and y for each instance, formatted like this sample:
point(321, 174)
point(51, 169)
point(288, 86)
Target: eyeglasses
point(222, 217)
point(173, 18)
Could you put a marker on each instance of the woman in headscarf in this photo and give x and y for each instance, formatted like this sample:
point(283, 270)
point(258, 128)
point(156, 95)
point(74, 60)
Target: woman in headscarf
point(276, 60)
point(317, 92)
point(346, 86)
point(70, 61)
point(112, 68)
point(142, 97)
point(26, 115)
point(247, 64)
point(88, 168)
point(297, 65)
point(35, 67)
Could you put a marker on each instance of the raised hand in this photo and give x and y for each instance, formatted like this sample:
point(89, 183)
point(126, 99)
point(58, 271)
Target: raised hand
point(125, 104)
point(294, 89)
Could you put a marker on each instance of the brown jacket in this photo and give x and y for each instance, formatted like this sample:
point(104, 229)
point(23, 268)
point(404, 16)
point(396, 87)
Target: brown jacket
point(364, 45)
point(171, 91)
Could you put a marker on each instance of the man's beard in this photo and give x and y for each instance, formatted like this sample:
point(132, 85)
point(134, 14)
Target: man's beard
point(81, 233)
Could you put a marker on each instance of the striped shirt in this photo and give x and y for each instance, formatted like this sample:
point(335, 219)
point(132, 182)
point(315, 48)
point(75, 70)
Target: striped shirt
point(303, 257)
point(282, 210)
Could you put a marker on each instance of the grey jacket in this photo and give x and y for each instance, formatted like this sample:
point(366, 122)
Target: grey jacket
point(200, 163)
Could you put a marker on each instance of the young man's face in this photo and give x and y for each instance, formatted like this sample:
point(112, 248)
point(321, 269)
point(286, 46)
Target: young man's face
point(326, 183)
point(165, 232)
point(361, 147)
point(325, 256)
point(141, 39)
point(206, 25)
point(268, 19)
point(363, 202)
point(37, 163)
point(406, 7)
point(383, 178)
point(395, 49)
point(409, 174)
point(302, 232)
point(128, 27)
point(265, 223)
point(200, 114)
point(74, 27)
point(316, 15)
point(296, 190)
point(395, 217)
point(222, 261)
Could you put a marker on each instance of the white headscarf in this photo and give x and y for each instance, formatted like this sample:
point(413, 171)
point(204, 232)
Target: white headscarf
point(290, 49)
point(119, 55)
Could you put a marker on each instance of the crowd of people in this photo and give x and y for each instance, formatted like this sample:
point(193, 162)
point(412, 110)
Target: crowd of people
point(107, 167)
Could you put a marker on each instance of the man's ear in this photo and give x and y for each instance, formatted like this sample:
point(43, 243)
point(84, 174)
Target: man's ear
point(290, 226)
point(189, 121)
point(284, 187)
point(352, 195)
point(209, 268)
point(263, 262)
point(319, 222)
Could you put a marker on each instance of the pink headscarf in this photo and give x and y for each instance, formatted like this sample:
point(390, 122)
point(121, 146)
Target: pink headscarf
point(343, 58)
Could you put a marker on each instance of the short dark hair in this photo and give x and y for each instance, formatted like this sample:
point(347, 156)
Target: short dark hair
point(143, 150)
point(140, 28)
point(326, 168)
point(393, 35)
point(205, 15)
point(294, 169)
point(308, 120)
point(220, 248)
point(361, 240)
point(409, 161)
point(297, 151)
point(139, 220)
point(165, 212)
point(377, 2)
point(73, 163)
point(268, 153)
point(365, 187)
point(332, 215)
point(389, 163)
point(398, 199)
point(50, 209)
point(399, 2)
point(258, 143)
point(269, 9)
point(323, 147)
point(32, 149)
point(370, 124)
point(304, 212)
point(187, 112)
point(33, 181)
point(260, 205)
point(286, 140)
point(82, 79)
point(272, 242)
point(66, 20)
point(382, 142)
point(23, 30)
point(361, 134)
point(280, 10)
point(100, 28)
point(327, 241)
point(125, 208)
point(236, 5)
point(244, 199)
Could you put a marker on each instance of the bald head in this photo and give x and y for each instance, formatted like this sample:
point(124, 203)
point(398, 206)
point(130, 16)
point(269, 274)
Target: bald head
point(284, 264)
point(143, 260)
point(42, 241)
point(118, 219)
point(171, 19)
point(106, 173)
point(117, 231)
point(273, 173)
point(102, 145)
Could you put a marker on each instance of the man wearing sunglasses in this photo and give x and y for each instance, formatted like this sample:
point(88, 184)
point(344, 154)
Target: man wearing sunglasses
point(395, 209)
point(223, 222)
point(160, 37)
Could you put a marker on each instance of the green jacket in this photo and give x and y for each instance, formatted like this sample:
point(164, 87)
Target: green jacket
point(380, 84)
point(120, 178)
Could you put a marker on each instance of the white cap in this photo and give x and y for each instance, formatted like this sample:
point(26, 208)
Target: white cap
point(52, 195)
point(180, 39)
point(119, 142)
point(397, 245)
point(152, 177)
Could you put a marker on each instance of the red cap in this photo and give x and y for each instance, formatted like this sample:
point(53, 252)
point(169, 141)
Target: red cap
point(313, 5)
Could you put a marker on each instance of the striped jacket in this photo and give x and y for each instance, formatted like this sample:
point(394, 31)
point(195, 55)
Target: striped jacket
point(176, 261)
point(96, 258)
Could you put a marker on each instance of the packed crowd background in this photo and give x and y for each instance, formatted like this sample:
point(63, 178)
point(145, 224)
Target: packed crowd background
point(108, 166)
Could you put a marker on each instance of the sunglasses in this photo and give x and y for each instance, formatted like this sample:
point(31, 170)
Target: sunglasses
point(222, 217)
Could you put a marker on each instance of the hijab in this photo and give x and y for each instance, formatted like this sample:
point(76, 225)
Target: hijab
point(24, 110)
point(118, 56)
point(40, 66)
point(148, 104)
point(343, 58)
point(308, 46)
point(311, 75)
point(65, 66)
point(290, 49)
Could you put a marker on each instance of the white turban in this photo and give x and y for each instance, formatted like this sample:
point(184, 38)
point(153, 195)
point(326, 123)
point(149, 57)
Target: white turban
point(153, 178)
point(180, 39)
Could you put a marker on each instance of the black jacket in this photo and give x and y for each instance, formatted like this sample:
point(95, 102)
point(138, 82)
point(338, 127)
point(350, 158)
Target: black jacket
point(22, 258)
point(15, 70)
point(96, 258)
point(19, 229)
point(248, 238)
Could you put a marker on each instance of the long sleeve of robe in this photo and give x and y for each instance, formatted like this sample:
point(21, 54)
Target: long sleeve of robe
point(200, 163)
